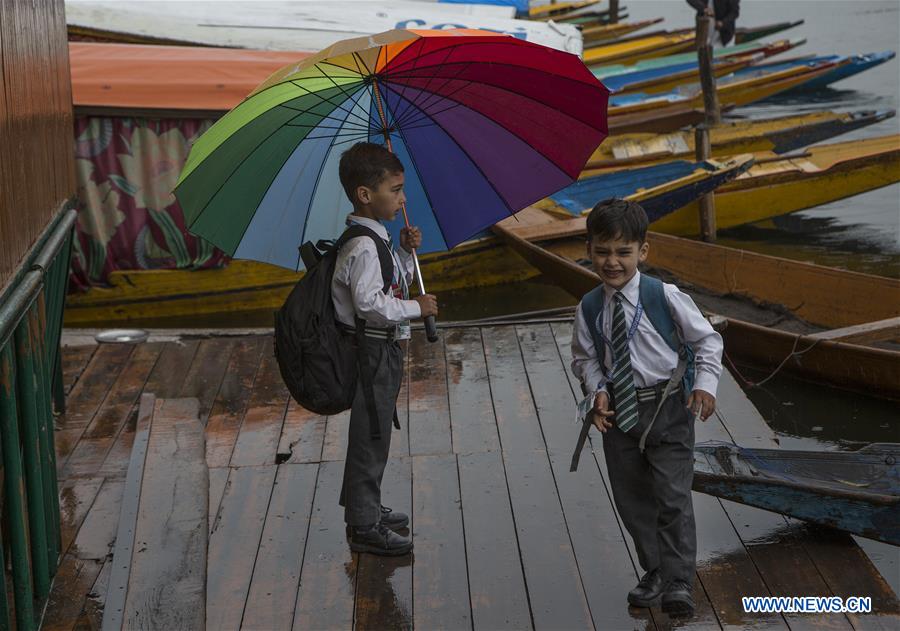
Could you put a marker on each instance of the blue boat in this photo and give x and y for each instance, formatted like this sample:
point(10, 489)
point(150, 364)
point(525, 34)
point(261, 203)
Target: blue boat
point(680, 182)
point(857, 491)
point(858, 63)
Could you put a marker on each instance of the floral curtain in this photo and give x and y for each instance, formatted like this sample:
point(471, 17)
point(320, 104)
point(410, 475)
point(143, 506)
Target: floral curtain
point(128, 218)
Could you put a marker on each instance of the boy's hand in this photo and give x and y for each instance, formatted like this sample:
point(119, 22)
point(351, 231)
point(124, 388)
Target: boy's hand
point(703, 401)
point(428, 305)
point(410, 238)
point(602, 412)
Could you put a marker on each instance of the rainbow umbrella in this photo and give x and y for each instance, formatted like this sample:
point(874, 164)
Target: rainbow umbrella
point(484, 124)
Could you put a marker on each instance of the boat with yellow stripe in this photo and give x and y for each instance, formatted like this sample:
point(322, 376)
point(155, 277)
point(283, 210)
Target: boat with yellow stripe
point(673, 110)
point(595, 34)
point(777, 135)
point(775, 185)
point(632, 50)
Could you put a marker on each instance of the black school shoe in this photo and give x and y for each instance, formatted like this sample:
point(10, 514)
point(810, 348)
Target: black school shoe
point(394, 521)
point(379, 539)
point(677, 600)
point(647, 591)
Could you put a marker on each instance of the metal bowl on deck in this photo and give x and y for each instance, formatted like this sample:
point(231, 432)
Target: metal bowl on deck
point(122, 336)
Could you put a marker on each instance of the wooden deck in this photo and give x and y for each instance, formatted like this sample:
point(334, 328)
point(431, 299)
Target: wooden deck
point(505, 536)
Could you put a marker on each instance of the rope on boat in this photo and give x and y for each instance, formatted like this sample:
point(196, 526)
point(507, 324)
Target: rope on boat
point(794, 353)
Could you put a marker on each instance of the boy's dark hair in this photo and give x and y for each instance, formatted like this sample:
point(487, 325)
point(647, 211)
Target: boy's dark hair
point(617, 219)
point(366, 164)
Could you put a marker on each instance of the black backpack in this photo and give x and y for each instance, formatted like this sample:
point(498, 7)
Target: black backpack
point(319, 363)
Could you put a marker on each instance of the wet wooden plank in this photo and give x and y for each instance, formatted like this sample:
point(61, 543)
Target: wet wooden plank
point(98, 531)
point(206, 372)
point(400, 438)
point(440, 579)
point(228, 410)
point(99, 436)
point(337, 433)
point(302, 436)
point(551, 573)
point(384, 585)
point(726, 570)
point(429, 410)
point(117, 587)
point(76, 496)
point(218, 481)
point(496, 582)
point(276, 574)
point(257, 442)
point(74, 579)
point(79, 570)
point(168, 567)
point(234, 542)
point(469, 392)
point(92, 613)
point(327, 581)
point(171, 369)
point(517, 422)
point(117, 459)
point(87, 395)
point(74, 360)
point(586, 501)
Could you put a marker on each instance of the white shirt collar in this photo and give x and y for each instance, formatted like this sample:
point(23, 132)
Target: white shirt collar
point(631, 291)
point(372, 224)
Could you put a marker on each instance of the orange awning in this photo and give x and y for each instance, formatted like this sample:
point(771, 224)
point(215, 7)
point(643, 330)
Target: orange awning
point(134, 76)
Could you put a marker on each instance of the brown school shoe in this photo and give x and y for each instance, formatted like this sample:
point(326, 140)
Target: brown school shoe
point(379, 539)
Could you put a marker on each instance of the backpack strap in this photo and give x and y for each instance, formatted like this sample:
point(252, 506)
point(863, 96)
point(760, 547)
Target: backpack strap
point(653, 297)
point(592, 311)
point(385, 257)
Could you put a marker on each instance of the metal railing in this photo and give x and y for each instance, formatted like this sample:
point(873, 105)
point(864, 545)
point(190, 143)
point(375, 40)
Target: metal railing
point(30, 379)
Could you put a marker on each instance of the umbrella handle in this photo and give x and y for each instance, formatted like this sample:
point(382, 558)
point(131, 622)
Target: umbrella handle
point(430, 324)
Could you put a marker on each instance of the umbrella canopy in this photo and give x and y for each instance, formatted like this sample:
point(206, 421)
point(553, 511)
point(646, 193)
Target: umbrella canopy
point(484, 124)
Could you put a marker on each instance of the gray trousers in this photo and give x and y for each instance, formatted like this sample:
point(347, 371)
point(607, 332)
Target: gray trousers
point(366, 458)
point(652, 490)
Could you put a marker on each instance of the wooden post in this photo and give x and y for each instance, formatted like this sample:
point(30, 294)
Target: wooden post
point(706, 28)
point(703, 150)
point(613, 11)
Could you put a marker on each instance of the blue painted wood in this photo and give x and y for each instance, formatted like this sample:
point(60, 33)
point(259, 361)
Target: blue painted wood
point(858, 492)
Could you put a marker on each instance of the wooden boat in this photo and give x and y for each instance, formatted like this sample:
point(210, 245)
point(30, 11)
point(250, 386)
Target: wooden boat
point(836, 357)
point(668, 78)
point(632, 50)
point(682, 180)
point(245, 289)
point(580, 13)
point(778, 185)
point(593, 35)
point(855, 491)
point(673, 110)
point(744, 34)
point(856, 64)
point(753, 48)
point(776, 135)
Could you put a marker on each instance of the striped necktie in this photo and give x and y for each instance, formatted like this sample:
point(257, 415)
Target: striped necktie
point(624, 393)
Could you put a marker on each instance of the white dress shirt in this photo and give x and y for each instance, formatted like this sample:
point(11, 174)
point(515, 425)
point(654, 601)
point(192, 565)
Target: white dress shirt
point(356, 287)
point(652, 361)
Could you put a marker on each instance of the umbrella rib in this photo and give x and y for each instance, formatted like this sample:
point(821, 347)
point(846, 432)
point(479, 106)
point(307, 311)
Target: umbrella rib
point(417, 117)
point(396, 116)
point(337, 105)
point(401, 115)
point(433, 94)
point(474, 163)
point(310, 110)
